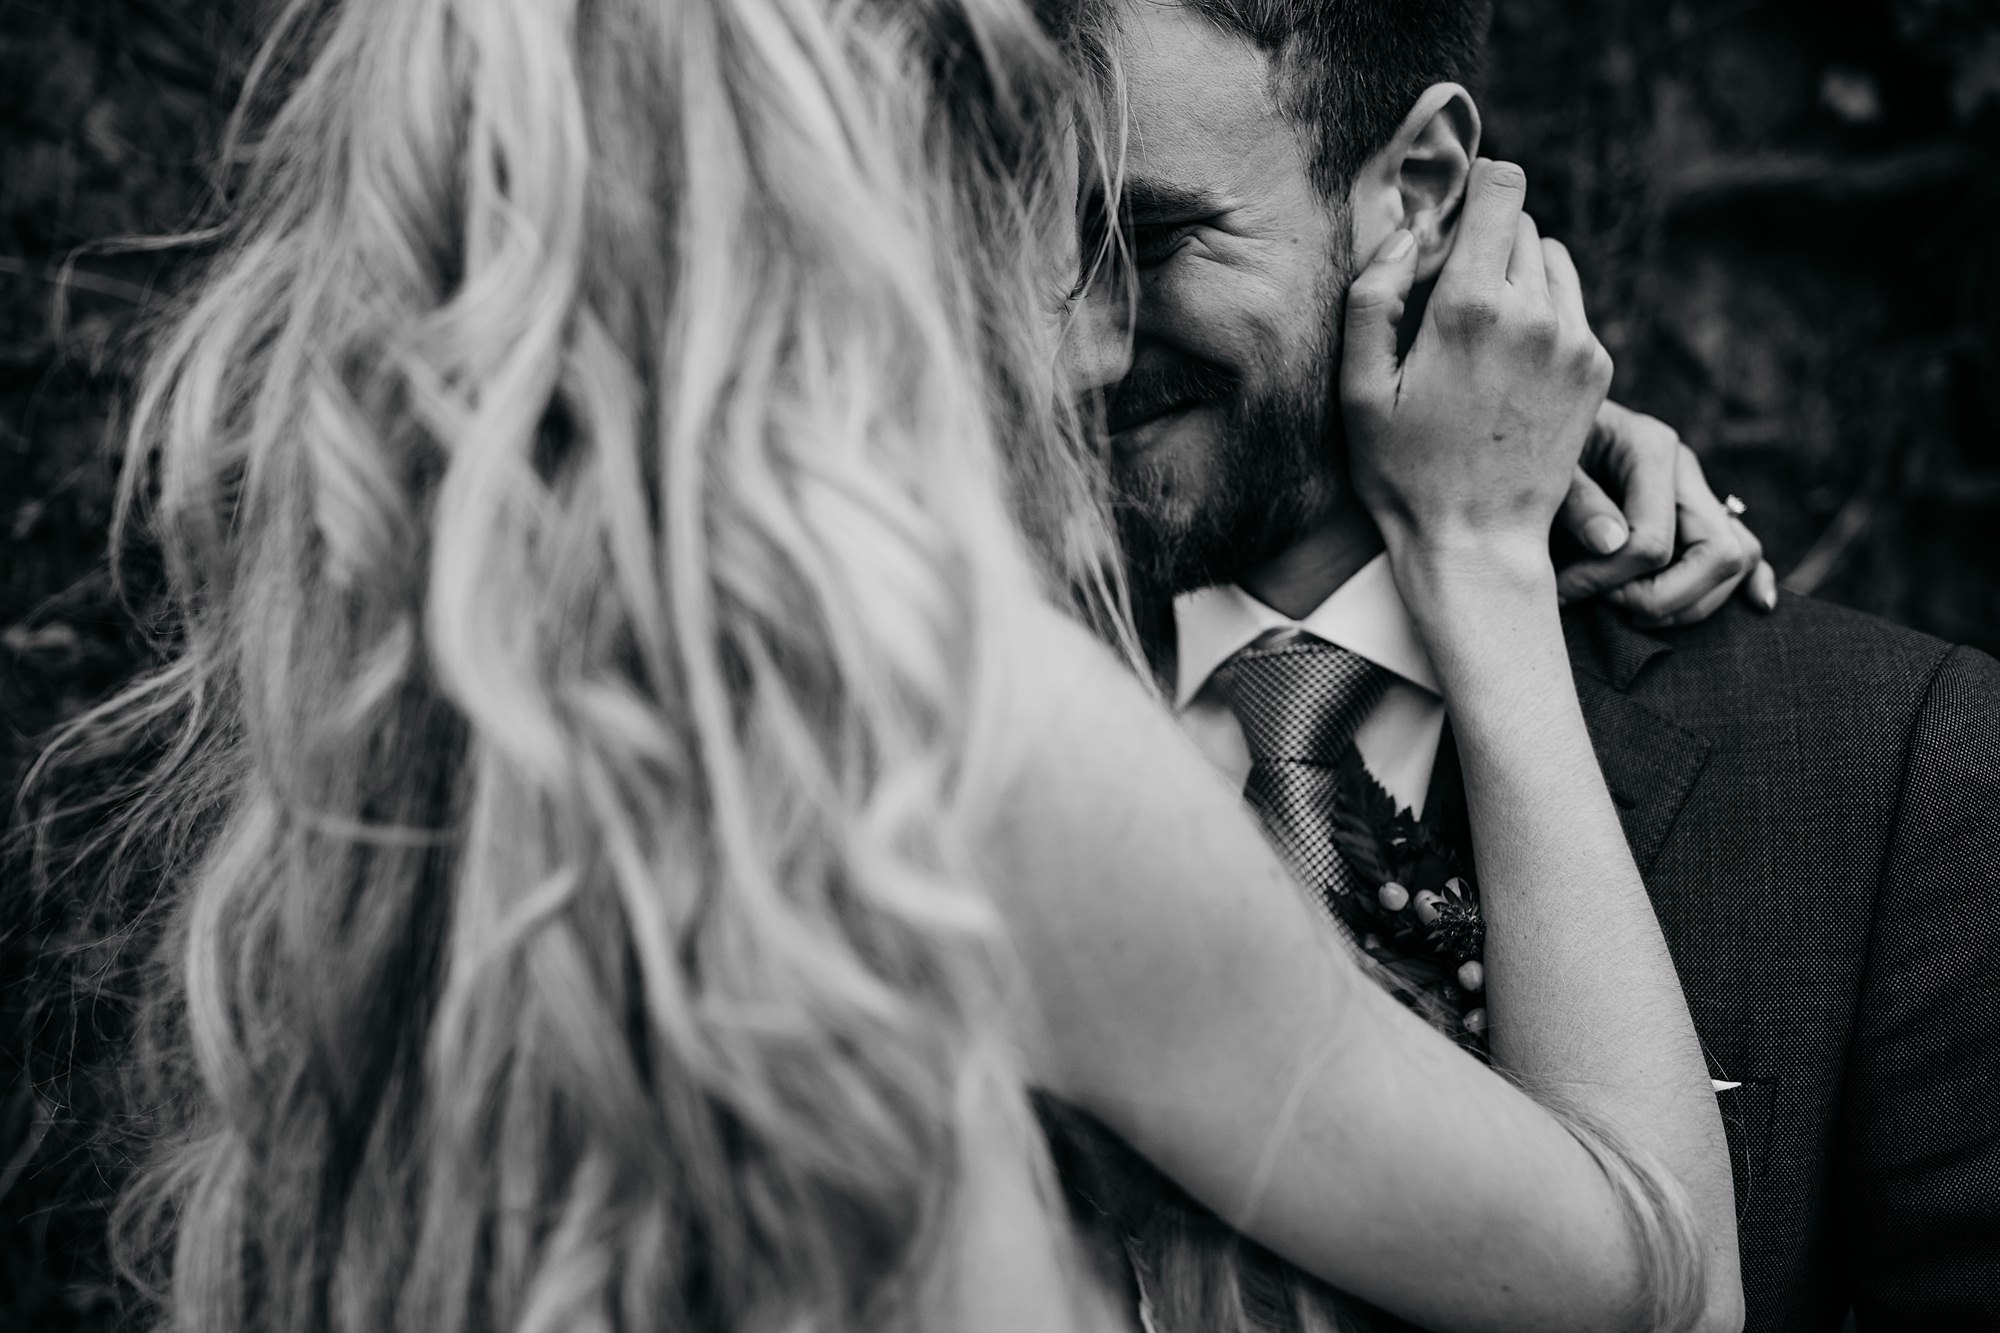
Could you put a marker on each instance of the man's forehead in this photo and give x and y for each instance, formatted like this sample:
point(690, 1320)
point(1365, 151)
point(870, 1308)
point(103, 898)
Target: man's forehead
point(1200, 101)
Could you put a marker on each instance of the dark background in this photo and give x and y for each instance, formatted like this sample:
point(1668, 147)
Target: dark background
point(1783, 211)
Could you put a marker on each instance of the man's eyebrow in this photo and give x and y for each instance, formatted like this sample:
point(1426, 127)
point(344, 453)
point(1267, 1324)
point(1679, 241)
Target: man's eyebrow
point(1156, 199)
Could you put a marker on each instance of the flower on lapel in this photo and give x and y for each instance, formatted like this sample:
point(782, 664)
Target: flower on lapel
point(1422, 904)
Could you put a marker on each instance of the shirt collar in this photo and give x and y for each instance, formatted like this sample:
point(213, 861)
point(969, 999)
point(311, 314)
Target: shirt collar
point(1365, 615)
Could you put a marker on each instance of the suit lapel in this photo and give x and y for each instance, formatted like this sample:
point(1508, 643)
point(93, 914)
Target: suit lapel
point(1650, 764)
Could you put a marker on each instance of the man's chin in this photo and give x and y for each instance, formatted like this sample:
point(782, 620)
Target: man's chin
point(1208, 493)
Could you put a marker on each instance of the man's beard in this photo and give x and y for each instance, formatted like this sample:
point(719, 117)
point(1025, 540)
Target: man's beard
point(1275, 472)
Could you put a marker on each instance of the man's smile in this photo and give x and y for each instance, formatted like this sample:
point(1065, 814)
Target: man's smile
point(1153, 396)
point(1129, 441)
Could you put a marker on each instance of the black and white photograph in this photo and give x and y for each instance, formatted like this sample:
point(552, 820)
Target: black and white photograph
point(999, 666)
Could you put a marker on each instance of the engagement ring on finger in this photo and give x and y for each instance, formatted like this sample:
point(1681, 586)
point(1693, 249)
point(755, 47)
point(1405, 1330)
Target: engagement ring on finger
point(1736, 507)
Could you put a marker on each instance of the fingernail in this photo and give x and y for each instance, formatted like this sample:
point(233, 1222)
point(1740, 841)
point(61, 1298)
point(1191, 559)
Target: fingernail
point(1604, 534)
point(1399, 246)
point(1767, 592)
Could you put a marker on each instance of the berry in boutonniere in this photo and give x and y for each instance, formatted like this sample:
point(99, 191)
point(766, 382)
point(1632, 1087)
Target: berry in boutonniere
point(1421, 922)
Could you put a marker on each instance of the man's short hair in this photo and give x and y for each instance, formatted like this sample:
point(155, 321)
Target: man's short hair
point(1350, 70)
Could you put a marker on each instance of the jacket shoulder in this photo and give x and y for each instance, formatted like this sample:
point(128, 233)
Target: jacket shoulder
point(1805, 650)
point(1815, 640)
point(1814, 687)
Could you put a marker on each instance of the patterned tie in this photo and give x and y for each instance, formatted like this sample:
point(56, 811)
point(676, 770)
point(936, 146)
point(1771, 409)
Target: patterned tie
point(1299, 701)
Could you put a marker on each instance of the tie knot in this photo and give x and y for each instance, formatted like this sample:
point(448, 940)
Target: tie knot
point(1300, 700)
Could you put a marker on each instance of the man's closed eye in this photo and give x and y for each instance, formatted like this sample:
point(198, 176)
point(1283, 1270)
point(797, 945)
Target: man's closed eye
point(1153, 243)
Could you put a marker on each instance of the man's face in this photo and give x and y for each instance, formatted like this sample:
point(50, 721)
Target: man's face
point(1224, 433)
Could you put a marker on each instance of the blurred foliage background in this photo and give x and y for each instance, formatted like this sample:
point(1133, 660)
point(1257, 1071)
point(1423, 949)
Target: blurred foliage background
point(1787, 216)
point(1784, 211)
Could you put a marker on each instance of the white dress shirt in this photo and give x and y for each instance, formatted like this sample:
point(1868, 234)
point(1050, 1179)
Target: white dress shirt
point(1398, 740)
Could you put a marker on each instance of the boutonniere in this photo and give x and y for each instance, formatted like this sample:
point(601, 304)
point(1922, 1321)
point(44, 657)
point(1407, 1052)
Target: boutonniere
point(1418, 912)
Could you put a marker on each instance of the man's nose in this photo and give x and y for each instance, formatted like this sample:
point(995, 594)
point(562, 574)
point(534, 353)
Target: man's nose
point(1097, 345)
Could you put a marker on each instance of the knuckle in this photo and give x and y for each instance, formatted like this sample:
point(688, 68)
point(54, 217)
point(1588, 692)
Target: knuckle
point(1475, 310)
point(1643, 599)
point(1650, 549)
point(1714, 560)
point(1654, 445)
point(1593, 363)
point(1504, 178)
point(1538, 328)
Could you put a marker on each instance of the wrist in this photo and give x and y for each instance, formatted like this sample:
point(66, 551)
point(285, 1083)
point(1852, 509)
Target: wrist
point(1487, 614)
point(1469, 573)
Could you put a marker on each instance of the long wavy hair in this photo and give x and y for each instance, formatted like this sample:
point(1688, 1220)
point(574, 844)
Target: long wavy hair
point(584, 477)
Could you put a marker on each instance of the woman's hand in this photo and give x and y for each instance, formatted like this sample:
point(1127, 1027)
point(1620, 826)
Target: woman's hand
point(1464, 448)
point(1659, 541)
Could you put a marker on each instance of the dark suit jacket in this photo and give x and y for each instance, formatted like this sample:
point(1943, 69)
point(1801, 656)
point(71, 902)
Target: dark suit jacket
point(1813, 799)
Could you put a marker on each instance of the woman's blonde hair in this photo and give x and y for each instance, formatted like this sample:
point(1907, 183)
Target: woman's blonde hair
point(583, 475)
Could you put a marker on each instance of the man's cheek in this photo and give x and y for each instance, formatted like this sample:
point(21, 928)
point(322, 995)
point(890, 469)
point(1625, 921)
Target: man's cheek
point(1200, 311)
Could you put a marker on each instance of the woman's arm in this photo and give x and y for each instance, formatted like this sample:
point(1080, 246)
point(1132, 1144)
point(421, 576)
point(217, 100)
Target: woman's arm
point(1583, 997)
point(1463, 451)
point(1180, 990)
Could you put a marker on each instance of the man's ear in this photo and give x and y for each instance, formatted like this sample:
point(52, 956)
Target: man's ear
point(1418, 179)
